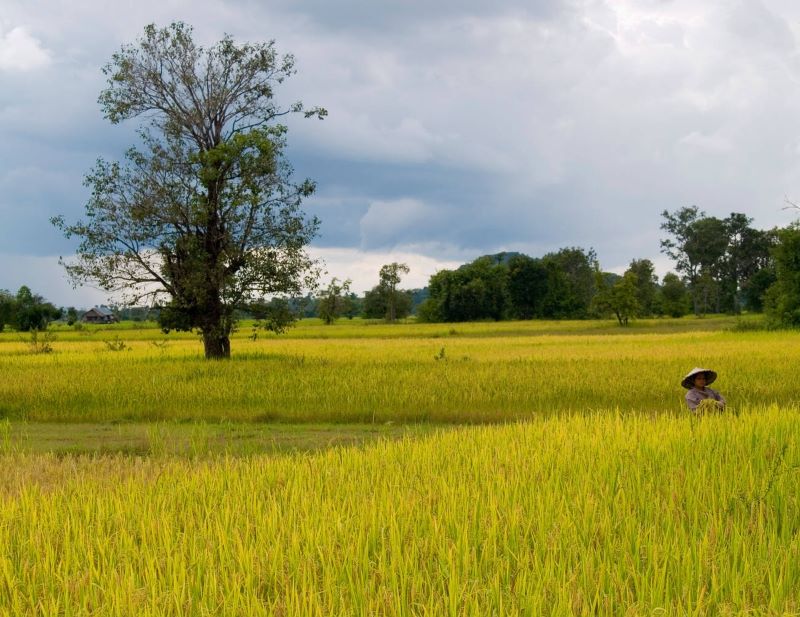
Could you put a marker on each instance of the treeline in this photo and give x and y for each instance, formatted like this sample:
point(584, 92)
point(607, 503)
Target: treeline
point(567, 284)
point(335, 300)
point(723, 266)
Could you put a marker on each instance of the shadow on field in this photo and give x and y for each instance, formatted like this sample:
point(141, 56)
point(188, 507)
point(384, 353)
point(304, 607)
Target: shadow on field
point(194, 439)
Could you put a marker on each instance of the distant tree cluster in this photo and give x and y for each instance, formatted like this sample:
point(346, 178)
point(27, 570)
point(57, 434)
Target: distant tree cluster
point(726, 264)
point(384, 301)
point(26, 311)
point(567, 284)
point(514, 286)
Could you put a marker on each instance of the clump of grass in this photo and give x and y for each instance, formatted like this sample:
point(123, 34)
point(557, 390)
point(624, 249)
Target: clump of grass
point(41, 341)
point(5, 435)
point(116, 344)
point(157, 439)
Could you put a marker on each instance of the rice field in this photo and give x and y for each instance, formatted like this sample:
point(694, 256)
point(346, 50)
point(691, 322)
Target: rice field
point(574, 515)
point(464, 373)
point(558, 474)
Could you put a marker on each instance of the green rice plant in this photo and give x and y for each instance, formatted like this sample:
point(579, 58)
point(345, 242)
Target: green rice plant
point(40, 342)
point(158, 439)
point(116, 344)
point(5, 435)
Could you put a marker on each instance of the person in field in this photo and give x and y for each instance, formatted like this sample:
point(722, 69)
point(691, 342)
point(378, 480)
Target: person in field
point(697, 382)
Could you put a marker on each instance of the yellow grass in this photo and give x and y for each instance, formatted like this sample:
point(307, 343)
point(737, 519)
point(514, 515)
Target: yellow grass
point(599, 514)
point(593, 493)
point(482, 373)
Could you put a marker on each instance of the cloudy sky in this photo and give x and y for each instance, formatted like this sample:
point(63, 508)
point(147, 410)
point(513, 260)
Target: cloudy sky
point(456, 129)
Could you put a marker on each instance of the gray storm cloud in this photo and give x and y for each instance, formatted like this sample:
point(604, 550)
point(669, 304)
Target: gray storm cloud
point(455, 128)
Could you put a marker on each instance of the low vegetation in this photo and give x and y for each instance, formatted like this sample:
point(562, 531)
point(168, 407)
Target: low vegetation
point(587, 489)
point(601, 514)
point(492, 372)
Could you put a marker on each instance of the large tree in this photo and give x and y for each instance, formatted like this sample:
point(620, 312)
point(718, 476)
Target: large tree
point(204, 217)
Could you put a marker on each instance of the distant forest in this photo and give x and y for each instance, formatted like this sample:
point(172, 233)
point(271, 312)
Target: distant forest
point(722, 266)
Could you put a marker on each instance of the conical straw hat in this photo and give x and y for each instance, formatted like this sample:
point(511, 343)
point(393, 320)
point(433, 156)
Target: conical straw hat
point(688, 381)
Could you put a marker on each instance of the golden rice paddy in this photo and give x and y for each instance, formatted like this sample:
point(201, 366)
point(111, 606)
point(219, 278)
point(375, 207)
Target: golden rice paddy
point(580, 487)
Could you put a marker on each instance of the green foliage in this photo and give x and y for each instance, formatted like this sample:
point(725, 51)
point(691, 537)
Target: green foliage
point(71, 316)
point(754, 290)
point(560, 285)
point(334, 301)
point(571, 283)
point(6, 308)
point(386, 301)
point(619, 298)
point(475, 291)
point(527, 286)
point(674, 297)
point(717, 257)
point(273, 316)
point(782, 301)
point(376, 303)
point(646, 286)
point(29, 311)
point(204, 217)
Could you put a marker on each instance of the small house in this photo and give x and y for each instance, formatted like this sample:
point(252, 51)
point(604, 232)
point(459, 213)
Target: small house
point(99, 314)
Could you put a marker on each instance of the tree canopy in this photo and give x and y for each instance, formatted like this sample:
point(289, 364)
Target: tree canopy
point(203, 217)
point(718, 257)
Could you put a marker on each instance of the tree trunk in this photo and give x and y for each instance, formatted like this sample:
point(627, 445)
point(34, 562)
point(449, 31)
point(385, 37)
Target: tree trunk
point(217, 346)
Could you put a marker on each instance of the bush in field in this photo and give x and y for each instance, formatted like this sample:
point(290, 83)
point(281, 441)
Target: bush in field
point(41, 342)
point(334, 301)
point(30, 311)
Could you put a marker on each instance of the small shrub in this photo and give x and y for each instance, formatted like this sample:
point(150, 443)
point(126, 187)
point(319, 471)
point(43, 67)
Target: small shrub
point(116, 344)
point(41, 341)
point(160, 345)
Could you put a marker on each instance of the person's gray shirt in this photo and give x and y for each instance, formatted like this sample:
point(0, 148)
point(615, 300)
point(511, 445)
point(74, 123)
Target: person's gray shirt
point(695, 396)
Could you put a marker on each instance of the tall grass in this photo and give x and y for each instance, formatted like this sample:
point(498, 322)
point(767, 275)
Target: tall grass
point(479, 374)
point(597, 514)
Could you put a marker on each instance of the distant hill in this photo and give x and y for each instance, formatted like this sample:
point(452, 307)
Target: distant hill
point(497, 258)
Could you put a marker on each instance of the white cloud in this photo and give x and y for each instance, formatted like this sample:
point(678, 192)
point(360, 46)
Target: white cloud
point(362, 267)
point(389, 223)
point(44, 276)
point(20, 51)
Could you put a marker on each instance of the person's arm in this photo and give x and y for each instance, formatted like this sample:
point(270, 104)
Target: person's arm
point(719, 397)
point(693, 399)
